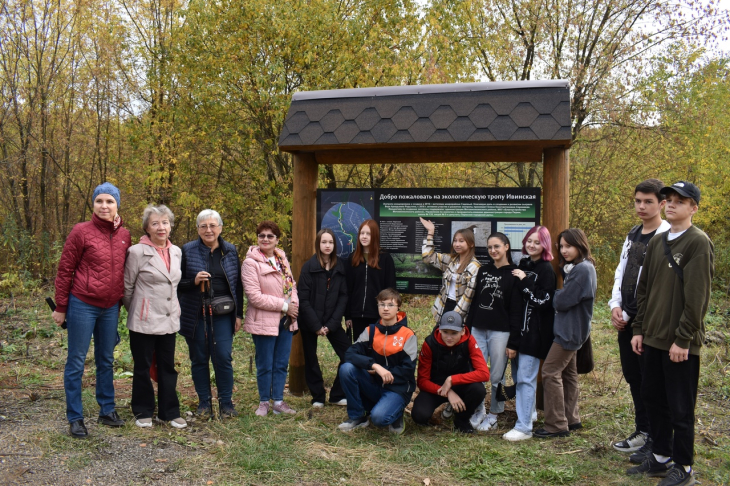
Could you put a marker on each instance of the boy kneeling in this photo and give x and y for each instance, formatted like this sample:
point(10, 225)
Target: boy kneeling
point(378, 373)
point(451, 368)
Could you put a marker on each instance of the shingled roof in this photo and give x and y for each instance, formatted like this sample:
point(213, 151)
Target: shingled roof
point(459, 114)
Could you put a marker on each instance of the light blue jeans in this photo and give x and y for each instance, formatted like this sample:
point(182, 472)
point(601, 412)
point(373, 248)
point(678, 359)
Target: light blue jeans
point(84, 321)
point(524, 371)
point(494, 348)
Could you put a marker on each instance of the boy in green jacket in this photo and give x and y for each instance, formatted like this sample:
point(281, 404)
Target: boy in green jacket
point(672, 298)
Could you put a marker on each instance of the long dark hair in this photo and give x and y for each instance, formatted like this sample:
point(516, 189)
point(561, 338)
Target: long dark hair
point(575, 237)
point(374, 253)
point(503, 238)
point(318, 251)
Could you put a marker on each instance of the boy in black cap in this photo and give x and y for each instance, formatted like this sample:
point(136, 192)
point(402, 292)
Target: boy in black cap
point(672, 297)
point(451, 368)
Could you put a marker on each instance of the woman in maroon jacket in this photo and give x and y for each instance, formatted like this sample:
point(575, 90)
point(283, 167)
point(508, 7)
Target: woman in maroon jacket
point(89, 288)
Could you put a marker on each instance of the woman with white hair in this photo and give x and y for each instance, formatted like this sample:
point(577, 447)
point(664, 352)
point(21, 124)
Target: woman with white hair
point(213, 262)
point(151, 276)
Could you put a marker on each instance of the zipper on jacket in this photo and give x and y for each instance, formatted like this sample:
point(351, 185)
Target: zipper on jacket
point(365, 294)
point(111, 249)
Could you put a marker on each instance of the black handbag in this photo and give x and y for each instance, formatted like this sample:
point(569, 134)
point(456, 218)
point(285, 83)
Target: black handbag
point(222, 305)
point(584, 358)
point(506, 392)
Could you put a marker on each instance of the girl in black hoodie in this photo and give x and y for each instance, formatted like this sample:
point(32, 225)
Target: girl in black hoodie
point(494, 316)
point(322, 291)
point(532, 341)
point(368, 272)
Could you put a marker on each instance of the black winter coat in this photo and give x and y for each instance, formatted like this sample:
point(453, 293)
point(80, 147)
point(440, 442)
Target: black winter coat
point(364, 283)
point(321, 303)
point(538, 289)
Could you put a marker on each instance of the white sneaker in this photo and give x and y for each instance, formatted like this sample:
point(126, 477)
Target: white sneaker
point(515, 435)
point(317, 405)
point(447, 412)
point(489, 422)
point(478, 415)
point(179, 423)
point(143, 422)
point(341, 403)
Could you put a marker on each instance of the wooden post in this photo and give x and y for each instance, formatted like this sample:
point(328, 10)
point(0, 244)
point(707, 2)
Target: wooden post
point(304, 225)
point(556, 193)
point(556, 215)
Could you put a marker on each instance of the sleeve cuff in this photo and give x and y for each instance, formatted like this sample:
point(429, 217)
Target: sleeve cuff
point(682, 343)
point(285, 307)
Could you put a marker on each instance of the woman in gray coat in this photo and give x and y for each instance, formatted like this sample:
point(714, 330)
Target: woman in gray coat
point(151, 275)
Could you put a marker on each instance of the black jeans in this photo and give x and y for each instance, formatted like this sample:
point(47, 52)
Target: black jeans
point(143, 346)
point(340, 341)
point(632, 368)
point(425, 403)
point(669, 391)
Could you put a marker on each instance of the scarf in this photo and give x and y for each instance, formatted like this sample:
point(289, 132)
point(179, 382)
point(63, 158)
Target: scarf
point(285, 272)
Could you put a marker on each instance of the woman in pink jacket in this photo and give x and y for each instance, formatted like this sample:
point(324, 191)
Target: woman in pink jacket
point(271, 315)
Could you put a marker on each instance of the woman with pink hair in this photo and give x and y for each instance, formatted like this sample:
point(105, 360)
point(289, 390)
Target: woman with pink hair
point(537, 284)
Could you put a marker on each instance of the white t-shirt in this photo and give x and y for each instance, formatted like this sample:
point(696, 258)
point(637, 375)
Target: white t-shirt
point(452, 287)
point(673, 236)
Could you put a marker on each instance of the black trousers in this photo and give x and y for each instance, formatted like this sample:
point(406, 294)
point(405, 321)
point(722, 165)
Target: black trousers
point(632, 368)
point(143, 346)
point(472, 395)
point(359, 324)
point(340, 341)
point(669, 391)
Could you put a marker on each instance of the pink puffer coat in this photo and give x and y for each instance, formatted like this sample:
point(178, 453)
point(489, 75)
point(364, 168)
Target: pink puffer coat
point(264, 293)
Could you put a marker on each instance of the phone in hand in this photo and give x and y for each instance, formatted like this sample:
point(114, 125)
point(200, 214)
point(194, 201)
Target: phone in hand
point(52, 305)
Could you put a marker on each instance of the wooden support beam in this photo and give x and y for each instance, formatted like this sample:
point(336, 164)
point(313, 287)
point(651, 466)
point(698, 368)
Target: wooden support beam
point(304, 229)
point(556, 193)
point(440, 153)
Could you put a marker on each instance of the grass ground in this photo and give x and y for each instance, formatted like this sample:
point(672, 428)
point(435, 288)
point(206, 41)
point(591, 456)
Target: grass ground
point(307, 448)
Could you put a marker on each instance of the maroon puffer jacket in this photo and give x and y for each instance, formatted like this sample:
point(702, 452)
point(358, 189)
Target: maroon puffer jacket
point(92, 264)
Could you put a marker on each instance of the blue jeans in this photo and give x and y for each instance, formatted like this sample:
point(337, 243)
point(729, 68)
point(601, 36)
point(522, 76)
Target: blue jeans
point(219, 348)
point(494, 348)
point(364, 394)
point(272, 363)
point(85, 321)
point(524, 371)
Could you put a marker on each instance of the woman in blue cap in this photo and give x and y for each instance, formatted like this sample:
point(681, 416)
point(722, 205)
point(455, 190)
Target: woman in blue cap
point(89, 289)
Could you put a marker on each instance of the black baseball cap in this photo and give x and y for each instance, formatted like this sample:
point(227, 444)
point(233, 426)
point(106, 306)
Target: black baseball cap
point(683, 188)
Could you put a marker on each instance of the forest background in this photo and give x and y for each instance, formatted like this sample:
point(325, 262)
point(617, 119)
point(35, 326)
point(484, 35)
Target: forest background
point(181, 103)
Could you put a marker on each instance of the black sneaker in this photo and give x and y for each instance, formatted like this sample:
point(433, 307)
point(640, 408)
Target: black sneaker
point(575, 426)
point(679, 477)
point(544, 434)
point(352, 424)
point(398, 426)
point(651, 467)
point(639, 456)
point(229, 412)
point(204, 410)
point(632, 443)
point(77, 429)
point(111, 420)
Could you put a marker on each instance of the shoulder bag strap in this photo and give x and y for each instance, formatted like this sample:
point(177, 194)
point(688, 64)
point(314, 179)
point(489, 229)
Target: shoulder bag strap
point(668, 254)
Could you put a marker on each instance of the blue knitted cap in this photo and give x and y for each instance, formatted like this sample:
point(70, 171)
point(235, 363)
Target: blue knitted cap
point(107, 188)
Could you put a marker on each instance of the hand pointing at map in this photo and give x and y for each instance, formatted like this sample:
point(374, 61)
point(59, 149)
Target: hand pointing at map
point(428, 225)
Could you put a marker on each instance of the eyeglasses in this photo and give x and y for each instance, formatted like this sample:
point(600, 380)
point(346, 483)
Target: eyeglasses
point(387, 306)
point(263, 236)
point(205, 227)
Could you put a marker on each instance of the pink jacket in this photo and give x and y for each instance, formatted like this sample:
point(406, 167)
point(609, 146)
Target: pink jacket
point(264, 293)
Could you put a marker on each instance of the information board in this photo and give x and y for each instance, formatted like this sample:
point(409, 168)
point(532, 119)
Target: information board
point(397, 211)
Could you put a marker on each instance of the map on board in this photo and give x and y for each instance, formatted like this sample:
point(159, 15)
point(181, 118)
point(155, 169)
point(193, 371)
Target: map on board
point(344, 212)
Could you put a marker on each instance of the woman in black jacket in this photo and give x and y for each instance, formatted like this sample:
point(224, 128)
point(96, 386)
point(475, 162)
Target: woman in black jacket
point(537, 285)
point(368, 272)
point(322, 290)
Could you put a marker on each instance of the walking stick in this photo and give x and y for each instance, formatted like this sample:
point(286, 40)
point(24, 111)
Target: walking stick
point(206, 290)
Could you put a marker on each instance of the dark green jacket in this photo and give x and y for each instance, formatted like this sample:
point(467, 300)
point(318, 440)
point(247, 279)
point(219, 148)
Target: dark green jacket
point(671, 312)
